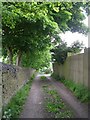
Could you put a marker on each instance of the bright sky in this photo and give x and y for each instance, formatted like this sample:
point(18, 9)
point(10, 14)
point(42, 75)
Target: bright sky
point(70, 37)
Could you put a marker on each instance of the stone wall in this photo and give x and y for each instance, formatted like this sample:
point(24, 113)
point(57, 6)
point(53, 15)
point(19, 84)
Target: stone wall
point(13, 78)
point(75, 68)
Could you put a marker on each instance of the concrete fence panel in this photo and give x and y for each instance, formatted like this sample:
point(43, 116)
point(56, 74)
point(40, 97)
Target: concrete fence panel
point(75, 68)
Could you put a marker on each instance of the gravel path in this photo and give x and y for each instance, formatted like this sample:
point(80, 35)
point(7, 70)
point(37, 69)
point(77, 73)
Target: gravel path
point(34, 106)
point(80, 110)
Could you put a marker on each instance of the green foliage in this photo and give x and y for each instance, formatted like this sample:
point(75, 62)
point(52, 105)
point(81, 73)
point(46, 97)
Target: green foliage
point(46, 70)
point(55, 105)
point(17, 36)
point(44, 20)
point(76, 47)
point(37, 59)
point(43, 78)
point(80, 91)
point(60, 52)
point(15, 106)
point(86, 6)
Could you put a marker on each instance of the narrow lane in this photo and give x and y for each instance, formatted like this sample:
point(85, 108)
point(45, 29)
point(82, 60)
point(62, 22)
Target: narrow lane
point(80, 110)
point(33, 107)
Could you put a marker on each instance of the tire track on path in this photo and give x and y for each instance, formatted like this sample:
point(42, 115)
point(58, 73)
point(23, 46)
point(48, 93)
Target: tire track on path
point(80, 109)
point(34, 106)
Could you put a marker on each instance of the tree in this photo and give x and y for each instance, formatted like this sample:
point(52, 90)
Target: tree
point(60, 52)
point(76, 47)
point(37, 60)
point(17, 37)
point(44, 20)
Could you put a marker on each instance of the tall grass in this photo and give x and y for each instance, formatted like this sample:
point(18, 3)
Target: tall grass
point(80, 91)
point(15, 106)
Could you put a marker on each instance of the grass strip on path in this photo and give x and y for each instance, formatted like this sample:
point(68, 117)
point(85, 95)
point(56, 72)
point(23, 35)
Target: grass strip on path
point(54, 104)
point(80, 91)
point(15, 106)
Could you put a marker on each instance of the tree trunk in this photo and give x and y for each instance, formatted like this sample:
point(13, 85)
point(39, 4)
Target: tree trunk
point(10, 55)
point(18, 60)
